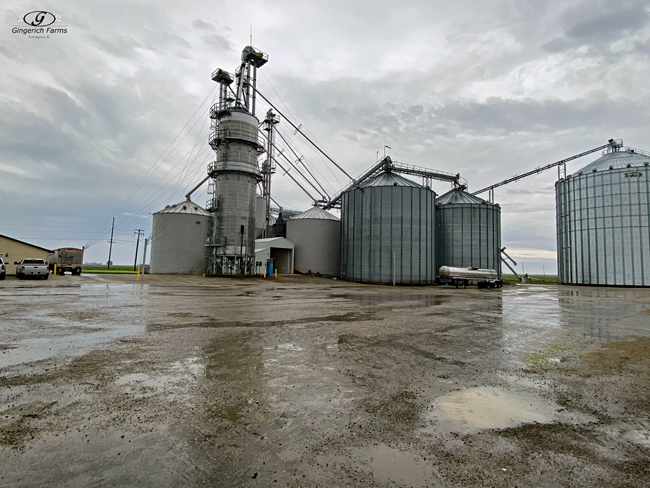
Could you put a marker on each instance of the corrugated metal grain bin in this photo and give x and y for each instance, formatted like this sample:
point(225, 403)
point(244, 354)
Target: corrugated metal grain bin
point(317, 238)
point(602, 213)
point(178, 239)
point(469, 231)
point(388, 219)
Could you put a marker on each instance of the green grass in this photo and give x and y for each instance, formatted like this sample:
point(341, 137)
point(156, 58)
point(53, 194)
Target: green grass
point(537, 278)
point(114, 269)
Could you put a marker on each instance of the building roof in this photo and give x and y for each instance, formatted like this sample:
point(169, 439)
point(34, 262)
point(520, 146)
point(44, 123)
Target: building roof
point(457, 196)
point(315, 213)
point(389, 178)
point(185, 207)
point(276, 242)
point(26, 243)
point(628, 158)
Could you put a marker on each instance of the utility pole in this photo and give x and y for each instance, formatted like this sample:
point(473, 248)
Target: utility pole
point(144, 255)
point(139, 232)
point(110, 248)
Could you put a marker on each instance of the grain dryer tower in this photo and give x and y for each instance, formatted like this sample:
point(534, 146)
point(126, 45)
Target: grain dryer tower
point(234, 173)
point(602, 214)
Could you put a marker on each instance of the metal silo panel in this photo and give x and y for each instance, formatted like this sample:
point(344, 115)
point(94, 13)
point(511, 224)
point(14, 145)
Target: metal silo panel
point(396, 237)
point(395, 222)
point(356, 201)
point(469, 234)
point(416, 236)
point(386, 261)
point(346, 257)
point(374, 252)
point(178, 243)
point(602, 225)
point(317, 245)
point(407, 235)
point(366, 234)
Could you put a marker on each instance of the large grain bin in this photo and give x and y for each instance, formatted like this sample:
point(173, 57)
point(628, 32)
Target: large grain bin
point(316, 235)
point(603, 233)
point(469, 231)
point(388, 229)
point(179, 236)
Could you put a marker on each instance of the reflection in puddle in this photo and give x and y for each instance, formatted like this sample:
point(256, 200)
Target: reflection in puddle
point(389, 465)
point(414, 300)
point(489, 408)
point(30, 350)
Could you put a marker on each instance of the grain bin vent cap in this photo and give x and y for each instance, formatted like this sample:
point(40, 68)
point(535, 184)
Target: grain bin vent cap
point(630, 158)
point(315, 213)
point(457, 196)
point(389, 179)
point(185, 207)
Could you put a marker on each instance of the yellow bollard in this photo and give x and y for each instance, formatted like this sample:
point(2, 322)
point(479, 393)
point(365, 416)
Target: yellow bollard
point(138, 274)
point(265, 272)
point(276, 273)
point(54, 268)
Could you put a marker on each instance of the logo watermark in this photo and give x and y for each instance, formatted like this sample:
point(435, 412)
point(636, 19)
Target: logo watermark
point(40, 24)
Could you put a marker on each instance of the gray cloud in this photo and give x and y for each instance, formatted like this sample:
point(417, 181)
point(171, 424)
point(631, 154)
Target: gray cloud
point(611, 24)
point(599, 24)
point(505, 115)
point(218, 42)
point(201, 25)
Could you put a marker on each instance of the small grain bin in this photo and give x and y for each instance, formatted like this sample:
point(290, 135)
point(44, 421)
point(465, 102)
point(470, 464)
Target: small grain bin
point(178, 241)
point(316, 235)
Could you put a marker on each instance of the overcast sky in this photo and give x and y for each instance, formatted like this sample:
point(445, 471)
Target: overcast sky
point(487, 89)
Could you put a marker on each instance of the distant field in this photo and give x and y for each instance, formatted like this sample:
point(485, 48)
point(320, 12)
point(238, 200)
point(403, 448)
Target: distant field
point(532, 278)
point(113, 270)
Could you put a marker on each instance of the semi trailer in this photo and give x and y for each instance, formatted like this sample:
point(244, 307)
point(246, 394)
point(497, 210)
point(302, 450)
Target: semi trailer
point(67, 259)
point(483, 278)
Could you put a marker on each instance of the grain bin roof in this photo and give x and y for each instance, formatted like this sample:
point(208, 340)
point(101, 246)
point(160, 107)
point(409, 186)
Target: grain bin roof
point(186, 207)
point(389, 179)
point(458, 196)
point(617, 160)
point(315, 213)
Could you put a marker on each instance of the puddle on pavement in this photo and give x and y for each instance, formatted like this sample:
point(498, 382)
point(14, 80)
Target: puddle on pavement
point(390, 465)
point(31, 350)
point(487, 408)
point(415, 301)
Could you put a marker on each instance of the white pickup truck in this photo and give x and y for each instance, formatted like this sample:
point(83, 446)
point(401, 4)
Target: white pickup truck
point(36, 268)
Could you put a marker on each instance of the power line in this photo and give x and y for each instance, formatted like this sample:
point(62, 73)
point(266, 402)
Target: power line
point(160, 159)
point(298, 129)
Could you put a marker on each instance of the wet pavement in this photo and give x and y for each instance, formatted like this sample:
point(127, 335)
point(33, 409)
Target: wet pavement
point(300, 381)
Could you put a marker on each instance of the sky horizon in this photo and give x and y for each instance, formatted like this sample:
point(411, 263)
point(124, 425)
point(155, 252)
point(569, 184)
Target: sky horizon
point(107, 117)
